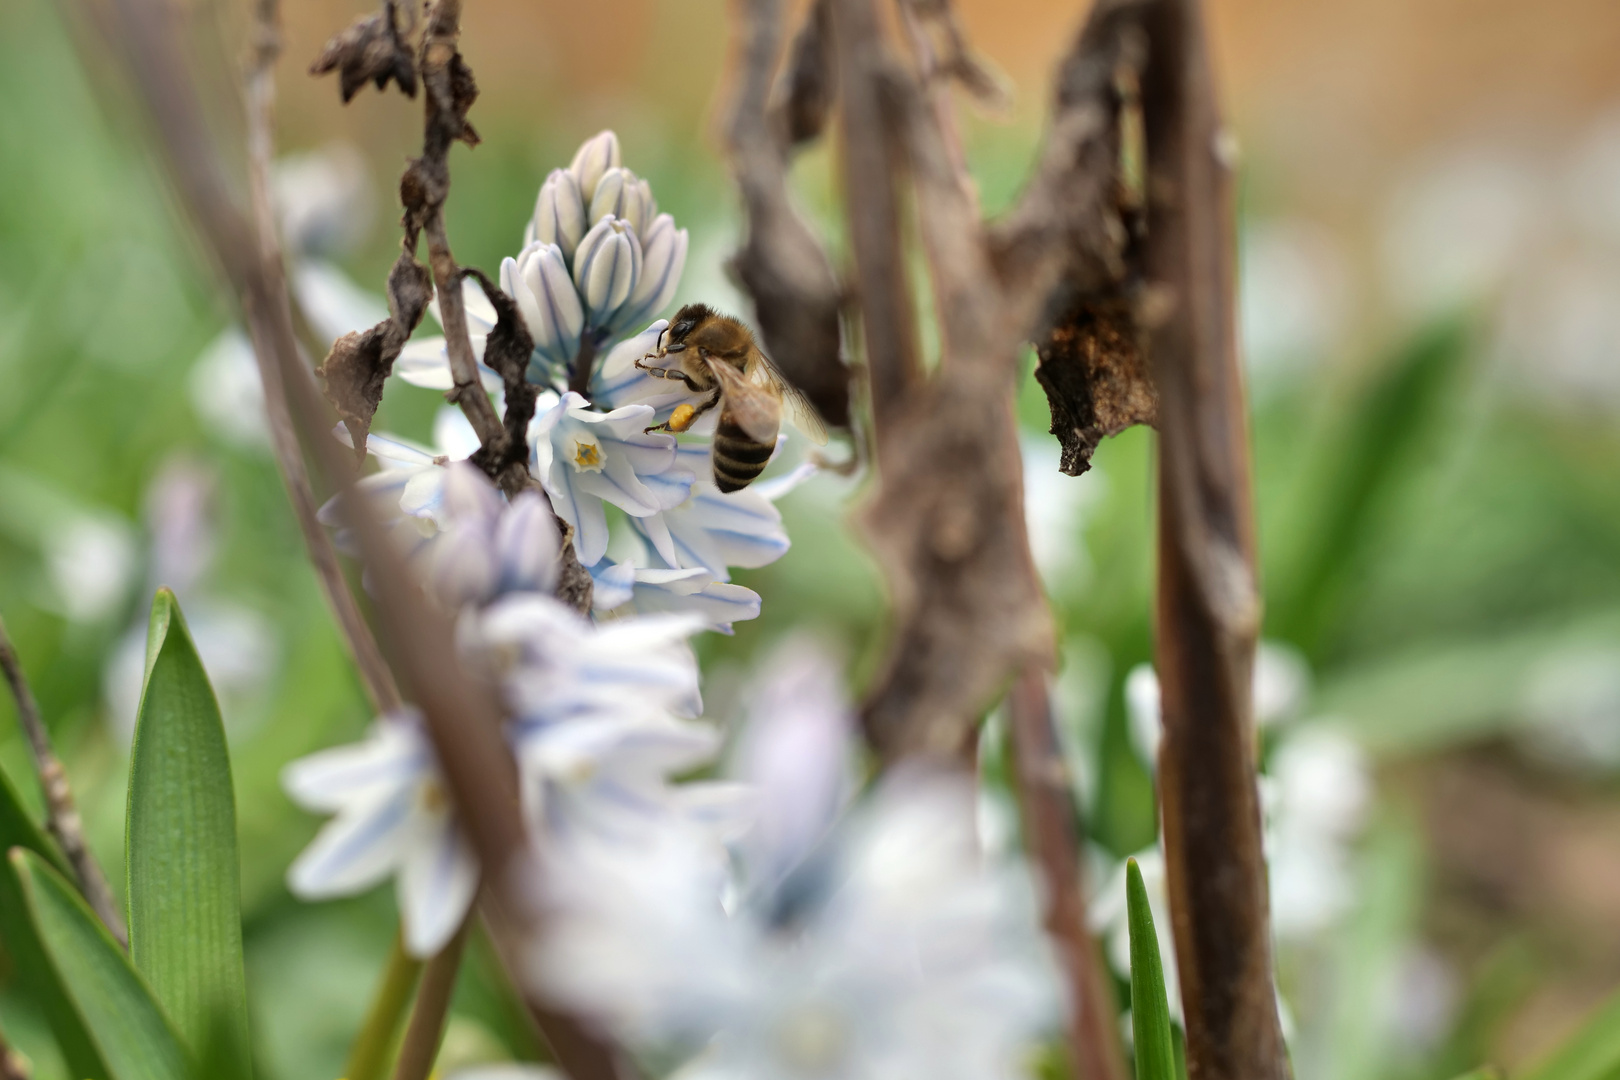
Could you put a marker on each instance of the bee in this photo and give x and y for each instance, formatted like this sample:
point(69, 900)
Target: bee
point(716, 356)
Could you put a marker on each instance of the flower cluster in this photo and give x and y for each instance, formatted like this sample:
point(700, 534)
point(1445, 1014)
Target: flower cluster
point(598, 262)
point(600, 718)
point(865, 941)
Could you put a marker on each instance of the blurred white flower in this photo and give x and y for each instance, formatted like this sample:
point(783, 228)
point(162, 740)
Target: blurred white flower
point(92, 561)
point(393, 819)
point(1055, 508)
point(425, 362)
point(882, 946)
point(585, 458)
point(1571, 705)
point(1294, 295)
point(491, 547)
point(1320, 788)
point(332, 302)
point(1454, 228)
point(226, 393)
point(411, 476)
point(647, 591)
point(323, 199)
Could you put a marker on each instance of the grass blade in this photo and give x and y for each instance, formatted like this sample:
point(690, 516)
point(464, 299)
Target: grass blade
point(126, 1029)
point(185, 924)
point(1150, 1007)
point(1592, 1053)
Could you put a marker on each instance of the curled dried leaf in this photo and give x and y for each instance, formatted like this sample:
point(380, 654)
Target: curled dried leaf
point(360, 362)
point(1096, 377)
point(507, 350)
point(372, 49)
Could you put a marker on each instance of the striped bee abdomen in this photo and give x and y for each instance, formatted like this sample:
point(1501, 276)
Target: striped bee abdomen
point(737, 457)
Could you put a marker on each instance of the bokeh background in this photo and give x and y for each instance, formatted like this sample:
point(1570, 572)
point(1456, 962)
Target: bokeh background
point(1430, 222)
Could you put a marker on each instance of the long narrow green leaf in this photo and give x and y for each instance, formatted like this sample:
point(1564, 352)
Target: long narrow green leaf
point(131, 1037)
point(1592, 1053)
point(1484, 1072)
point(1150, 1007)
point(18, 828)
point(185, 923)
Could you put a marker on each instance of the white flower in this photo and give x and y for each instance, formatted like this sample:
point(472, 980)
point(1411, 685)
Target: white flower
point(607, 267)
point(717, 531)
point(663, 258)
point(411, 475)
point(594, 157)
point(425, 362)
point(492, 547)
point(559, 214)
point(649, 590)
point(622, 194)
point(538, 280)
point(393, 818)
point(887, 950)
point(585, 457)
point(618, 381)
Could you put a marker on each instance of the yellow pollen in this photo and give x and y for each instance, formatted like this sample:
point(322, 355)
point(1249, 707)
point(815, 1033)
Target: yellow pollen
point(682, 417)
point(587, 455)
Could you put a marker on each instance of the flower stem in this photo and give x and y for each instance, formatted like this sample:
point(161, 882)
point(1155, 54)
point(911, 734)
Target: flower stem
point(579, 379)
point(61, 812)
point(368, 1059)
point(421, 1044)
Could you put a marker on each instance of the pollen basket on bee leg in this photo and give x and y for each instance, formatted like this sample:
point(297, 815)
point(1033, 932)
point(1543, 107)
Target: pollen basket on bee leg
point(682, 417)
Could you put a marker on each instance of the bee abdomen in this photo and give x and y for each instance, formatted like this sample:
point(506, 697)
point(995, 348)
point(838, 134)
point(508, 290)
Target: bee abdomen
point(738, 459)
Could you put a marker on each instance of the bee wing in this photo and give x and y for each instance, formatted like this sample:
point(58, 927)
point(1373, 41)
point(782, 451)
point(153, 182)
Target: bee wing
point(755, 409)
point(800, 413)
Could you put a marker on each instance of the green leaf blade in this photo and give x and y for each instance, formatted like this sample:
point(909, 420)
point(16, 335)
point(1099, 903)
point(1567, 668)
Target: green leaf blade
point(129, 1035)
point(1150, 1006)
point(1592, 1053)
point(185, 924)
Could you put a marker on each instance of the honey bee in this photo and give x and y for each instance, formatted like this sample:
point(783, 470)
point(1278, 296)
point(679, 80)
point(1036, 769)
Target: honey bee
point(718, 358)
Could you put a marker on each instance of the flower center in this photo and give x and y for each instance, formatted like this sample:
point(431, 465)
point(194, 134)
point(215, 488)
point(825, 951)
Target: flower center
point(432, 796)
point(812, 1038)
point(587, 455)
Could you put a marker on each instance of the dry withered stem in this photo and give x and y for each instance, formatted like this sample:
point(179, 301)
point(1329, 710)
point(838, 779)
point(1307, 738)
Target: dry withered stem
point(782, 265)
point(1208, 605)
point(260, 94)
point(462, 714)
point(1053, 838)
point(61, 812)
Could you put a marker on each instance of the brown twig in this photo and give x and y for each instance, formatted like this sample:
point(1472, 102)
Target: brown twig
point(782, 265)
point(873, 166)
point(1045, 796)
point(426, 1029)
point(260, 99)
point(1208, 606)
point(61, 812)
point(462, 715)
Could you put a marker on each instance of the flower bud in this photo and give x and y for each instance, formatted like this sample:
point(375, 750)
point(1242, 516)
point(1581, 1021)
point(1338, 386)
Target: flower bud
point(621, 194)
point(606, 268)
point(538, 280)
point(527, 545)
point(594, 157)
point(663, 258)
point(559, 214)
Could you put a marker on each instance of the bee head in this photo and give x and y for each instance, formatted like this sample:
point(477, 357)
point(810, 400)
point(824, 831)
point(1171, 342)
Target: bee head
point(686, 320)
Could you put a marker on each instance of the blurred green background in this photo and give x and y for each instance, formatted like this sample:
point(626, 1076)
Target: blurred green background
point(1431, 312)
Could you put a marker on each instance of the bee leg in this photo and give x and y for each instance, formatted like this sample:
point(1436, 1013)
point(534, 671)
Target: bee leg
point(683, 416)
point(670, 373)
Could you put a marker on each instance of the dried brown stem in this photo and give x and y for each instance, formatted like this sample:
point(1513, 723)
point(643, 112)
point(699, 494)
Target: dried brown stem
point(1208, 606)
point(782, 265)
point(426, 1029)
point(1046, 799)
point(261, 95)
point(61, 812)
point(873, 166)
point(462, 715)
